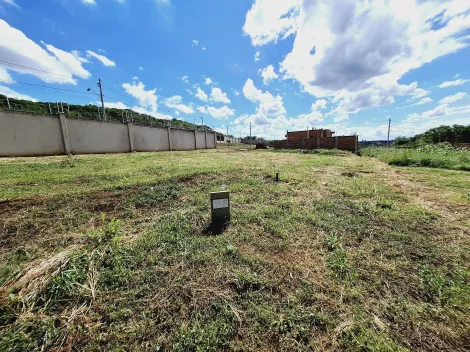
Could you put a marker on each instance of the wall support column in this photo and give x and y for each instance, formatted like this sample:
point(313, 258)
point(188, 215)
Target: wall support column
point(318, 142)
point(65, 133)
point(129, 133)
point(215, 140)
point(206, 137)
point(336, 142)
point(195, 140)
point(169, 138)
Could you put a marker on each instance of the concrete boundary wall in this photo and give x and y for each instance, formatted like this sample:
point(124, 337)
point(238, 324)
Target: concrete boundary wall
point(350, 143)
point(30, 134)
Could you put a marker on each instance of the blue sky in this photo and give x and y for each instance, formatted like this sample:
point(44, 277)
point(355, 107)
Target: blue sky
point(281, 65)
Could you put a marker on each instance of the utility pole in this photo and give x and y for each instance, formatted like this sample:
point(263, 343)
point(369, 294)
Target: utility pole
point(388, 136)
point(251, 141)
point(100, 84)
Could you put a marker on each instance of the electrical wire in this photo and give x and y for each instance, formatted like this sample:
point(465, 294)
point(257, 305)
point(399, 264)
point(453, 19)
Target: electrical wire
point(46, 87)
point(34, 69)
point(53, 88)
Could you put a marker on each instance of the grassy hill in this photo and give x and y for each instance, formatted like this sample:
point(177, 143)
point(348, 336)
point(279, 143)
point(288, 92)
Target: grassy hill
point(115, 253)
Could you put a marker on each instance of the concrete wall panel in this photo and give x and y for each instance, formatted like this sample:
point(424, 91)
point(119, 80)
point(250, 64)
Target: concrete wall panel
point(200, 140)
point(149, 139)
point(88, 137)
point(210, 140)
point(182, 139)
point(27, 134)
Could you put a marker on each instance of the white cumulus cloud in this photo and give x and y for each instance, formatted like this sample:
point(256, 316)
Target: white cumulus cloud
point(319, 104)
point(5, 76)
point(453, 98)
point(357, 51)
point(112, 105)
point(218, 96)
point(268, 74)
point(10, 93)
point(176, 102)
point(147, 99)
point(201, 95)
point(423, 101)
point(48, 63)
point(220, 113)
point(104, 60)
point(457, 82)
point(268, 104)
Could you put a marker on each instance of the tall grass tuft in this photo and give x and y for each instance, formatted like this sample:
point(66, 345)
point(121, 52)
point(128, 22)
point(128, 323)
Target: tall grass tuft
point(426, 156)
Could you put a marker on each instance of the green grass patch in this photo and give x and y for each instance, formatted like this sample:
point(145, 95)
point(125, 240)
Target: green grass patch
point(426, 156)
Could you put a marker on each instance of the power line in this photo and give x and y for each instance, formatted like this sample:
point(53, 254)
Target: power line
point(34, 69)
point(46, 87)
point(388, 135)
point(56, 74)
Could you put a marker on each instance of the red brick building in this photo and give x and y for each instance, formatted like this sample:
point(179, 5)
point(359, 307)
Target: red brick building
point(298, 135)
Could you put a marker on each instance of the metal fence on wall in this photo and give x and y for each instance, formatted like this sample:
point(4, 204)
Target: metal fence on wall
point(112, 115)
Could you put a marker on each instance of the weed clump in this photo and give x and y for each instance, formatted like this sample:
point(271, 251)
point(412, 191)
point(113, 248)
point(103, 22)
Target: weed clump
point(426, 156)
point(453, 289)
point(337, 258)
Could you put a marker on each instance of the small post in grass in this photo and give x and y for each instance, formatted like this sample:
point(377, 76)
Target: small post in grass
point(277, 176)
point(220, 209)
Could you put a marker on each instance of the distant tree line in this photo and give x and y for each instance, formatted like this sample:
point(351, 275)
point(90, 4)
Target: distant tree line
point(449, 134)
point(91, 112)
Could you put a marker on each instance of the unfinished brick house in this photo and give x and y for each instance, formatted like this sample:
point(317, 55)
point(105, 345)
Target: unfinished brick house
point(317, 139)
point(313, 133)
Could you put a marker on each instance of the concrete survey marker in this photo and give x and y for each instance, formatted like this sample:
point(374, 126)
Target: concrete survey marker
point(220, 208)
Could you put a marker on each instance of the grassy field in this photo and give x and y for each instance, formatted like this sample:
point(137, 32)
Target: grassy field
point(114, 252)
point(426, 156)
